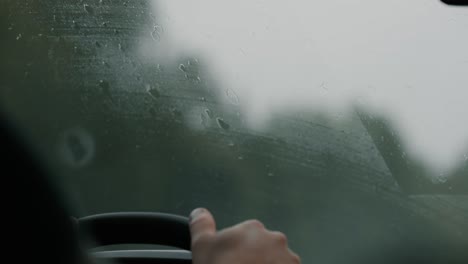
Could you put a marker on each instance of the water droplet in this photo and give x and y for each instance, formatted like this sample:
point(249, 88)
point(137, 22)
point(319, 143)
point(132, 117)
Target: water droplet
point(116, 31)
point(222, 124)
point(270, 174)
point(97, 44)
point(104, 24)
point(10, 27)
point(240, 158)
point(105, 87)
point(120, 47)
point(323, 86)
point(231, 144)
point(205, 121)
point(176, 112)
point(232, 96)
point(182, 68)
point(203, 99)
point(105, 64)
point(76, 147)
point(156, 33)
point(152, 112)
point(19, 36)
point(152, 16)
point(152, 91)
point(208, 113)
point(88, 9)
point(440, 179)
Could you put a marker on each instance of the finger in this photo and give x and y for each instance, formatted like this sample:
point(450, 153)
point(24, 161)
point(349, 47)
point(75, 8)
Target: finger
point(296, 259)
point(202, 224)
point(280, 238)
point(253, 223)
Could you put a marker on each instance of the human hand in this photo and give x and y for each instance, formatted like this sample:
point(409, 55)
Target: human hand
point(246, 243)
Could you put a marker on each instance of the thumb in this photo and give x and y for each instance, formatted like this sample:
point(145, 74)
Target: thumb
point(202, 224)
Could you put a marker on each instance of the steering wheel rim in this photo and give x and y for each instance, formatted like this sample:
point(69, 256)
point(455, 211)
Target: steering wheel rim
point(139, 228)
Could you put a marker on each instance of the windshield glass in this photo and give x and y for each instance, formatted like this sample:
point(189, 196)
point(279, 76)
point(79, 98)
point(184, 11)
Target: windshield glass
point(340, 123)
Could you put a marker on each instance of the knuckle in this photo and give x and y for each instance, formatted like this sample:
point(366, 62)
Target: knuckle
point(296, 258)
point(254, 223)
point(281, 238)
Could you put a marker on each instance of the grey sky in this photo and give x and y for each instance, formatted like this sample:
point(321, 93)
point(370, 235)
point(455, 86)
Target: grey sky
point(405, 59)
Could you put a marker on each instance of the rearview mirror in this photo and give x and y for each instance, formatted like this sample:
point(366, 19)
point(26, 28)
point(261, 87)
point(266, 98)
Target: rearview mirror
point(456, 2)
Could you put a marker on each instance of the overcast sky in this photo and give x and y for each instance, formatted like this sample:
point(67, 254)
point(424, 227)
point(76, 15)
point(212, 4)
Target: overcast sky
point(405, 59)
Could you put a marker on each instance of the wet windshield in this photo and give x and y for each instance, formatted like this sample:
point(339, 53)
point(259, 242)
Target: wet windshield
point(341, 123)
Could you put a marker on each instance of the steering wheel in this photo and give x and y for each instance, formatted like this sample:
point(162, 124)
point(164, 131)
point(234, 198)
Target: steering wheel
point(139, 228)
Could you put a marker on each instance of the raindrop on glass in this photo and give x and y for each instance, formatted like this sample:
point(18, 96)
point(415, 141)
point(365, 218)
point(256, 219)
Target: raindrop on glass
point(76, 147)
point(232, 96)
point(88, 9)
point(75, 24)
point(152, 112)
point(222, 124)
point(439, 179)
point(105, 87)
point(208, 113)
point(152, 91)
point(176, 112)
point(323, 86)
point(156, 33)
point(182, 68)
